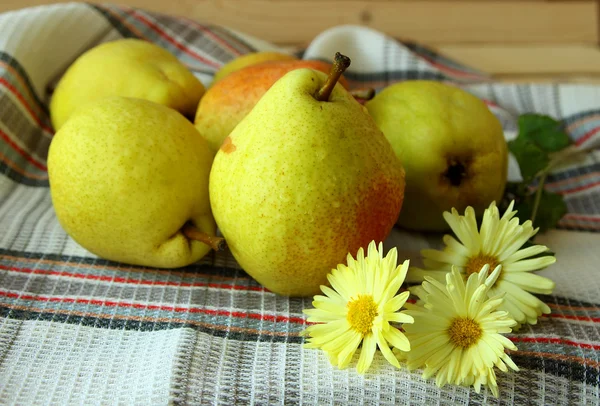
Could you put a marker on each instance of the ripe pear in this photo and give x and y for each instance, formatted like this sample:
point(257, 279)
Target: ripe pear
point(226, 103)
point(129, 182)
point(130, 68)
point(253, 58)
point(451, 145)
point(304, 179)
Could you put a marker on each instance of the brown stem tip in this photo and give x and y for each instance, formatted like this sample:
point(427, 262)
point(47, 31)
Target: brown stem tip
point(340, 64)
point(191, 232)
point(363, 95)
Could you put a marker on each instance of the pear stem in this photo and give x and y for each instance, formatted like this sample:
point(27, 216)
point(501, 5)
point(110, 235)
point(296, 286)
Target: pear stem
point(340, 64)
point(191, 232)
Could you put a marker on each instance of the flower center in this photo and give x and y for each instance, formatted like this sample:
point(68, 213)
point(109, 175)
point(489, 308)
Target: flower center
point(361, 313)
point(474, 264)
point(464, 332)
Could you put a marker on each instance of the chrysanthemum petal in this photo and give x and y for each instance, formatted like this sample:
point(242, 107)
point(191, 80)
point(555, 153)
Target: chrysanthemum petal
point(455, 246)
point(320, 316)
point(448, 257)
point(523, 296)
point(399, 318)
point(530, 264)
point(345, 355)
point(366, 354)
point(505, 258)
point(333, 295)
point(435, 265)
point(385, 349)
point(417, 275)
point(329, 306)
point(337, 344)
point(531, 282)
point(396, 302)
point(397, 339)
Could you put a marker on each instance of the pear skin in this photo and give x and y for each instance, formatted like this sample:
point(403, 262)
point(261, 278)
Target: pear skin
point(227, 102)
point(451, 145)
point(300, 183)
point(126, 175)
point(130, 68)
point(252, 58)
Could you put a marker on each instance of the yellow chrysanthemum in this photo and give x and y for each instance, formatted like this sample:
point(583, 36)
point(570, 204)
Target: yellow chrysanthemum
point(497, 242)
point(457, 332)
point(359, 309)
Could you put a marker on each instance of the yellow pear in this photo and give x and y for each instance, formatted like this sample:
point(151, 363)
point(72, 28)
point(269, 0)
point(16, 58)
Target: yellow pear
point(252, 58)
point(304, 179)
point(129, 182)
point(225, 104)
point(451, 145)
point(129, 68)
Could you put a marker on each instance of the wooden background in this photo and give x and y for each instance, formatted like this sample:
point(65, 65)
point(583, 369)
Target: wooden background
point(530, 40)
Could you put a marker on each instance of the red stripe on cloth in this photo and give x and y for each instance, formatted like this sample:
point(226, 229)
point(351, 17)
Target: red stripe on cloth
point(20, 170)
point(578, 226)
point(587, 136)
point(579, 188)
point(133, 281)
point(582, 217)
point(170, 39)
point(22, 152)
point(214, 36)
point(550, 340)
point(187, 274)
point(574, 179)
point(570, 317)
point(140, 306)
point(19, 96)
point(491, 103)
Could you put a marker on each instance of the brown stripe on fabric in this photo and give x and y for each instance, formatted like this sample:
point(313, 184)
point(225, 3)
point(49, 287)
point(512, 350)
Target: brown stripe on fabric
point(21, 81)
point(8, 162)
point(571, 180)
point(558, 306)
point(561, 357)
point(582, 121)
point(578, 226)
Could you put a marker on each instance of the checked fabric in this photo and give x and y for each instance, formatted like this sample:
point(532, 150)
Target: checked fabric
point(76, 329)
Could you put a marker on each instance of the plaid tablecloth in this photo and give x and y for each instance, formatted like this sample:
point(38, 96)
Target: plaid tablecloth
point(75, 329)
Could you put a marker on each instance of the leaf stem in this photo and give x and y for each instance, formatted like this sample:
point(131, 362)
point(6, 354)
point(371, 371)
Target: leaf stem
point(563, 155)
point(538, 196)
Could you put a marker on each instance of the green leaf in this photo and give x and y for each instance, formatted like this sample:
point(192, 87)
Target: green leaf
point(543, 131)
point(531, 158)
point(551, 209)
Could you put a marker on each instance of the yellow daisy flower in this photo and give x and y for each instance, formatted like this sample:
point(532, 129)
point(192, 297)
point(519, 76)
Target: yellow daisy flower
point(359, 309)
point(499, 241)
point(457, 333)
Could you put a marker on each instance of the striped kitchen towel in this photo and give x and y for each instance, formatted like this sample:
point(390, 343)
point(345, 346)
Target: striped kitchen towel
point(76, 329)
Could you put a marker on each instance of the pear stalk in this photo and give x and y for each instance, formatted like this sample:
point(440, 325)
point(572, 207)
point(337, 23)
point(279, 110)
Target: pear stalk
point(191, 232)
point(340, 64)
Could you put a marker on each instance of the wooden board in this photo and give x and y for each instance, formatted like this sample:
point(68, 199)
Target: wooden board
point(511, 39)
point(465, 21)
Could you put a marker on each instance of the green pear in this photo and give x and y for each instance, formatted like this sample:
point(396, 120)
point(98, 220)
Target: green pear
point(304, 179)
point(451, 145)
point(129, 182)
point(130, 68)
